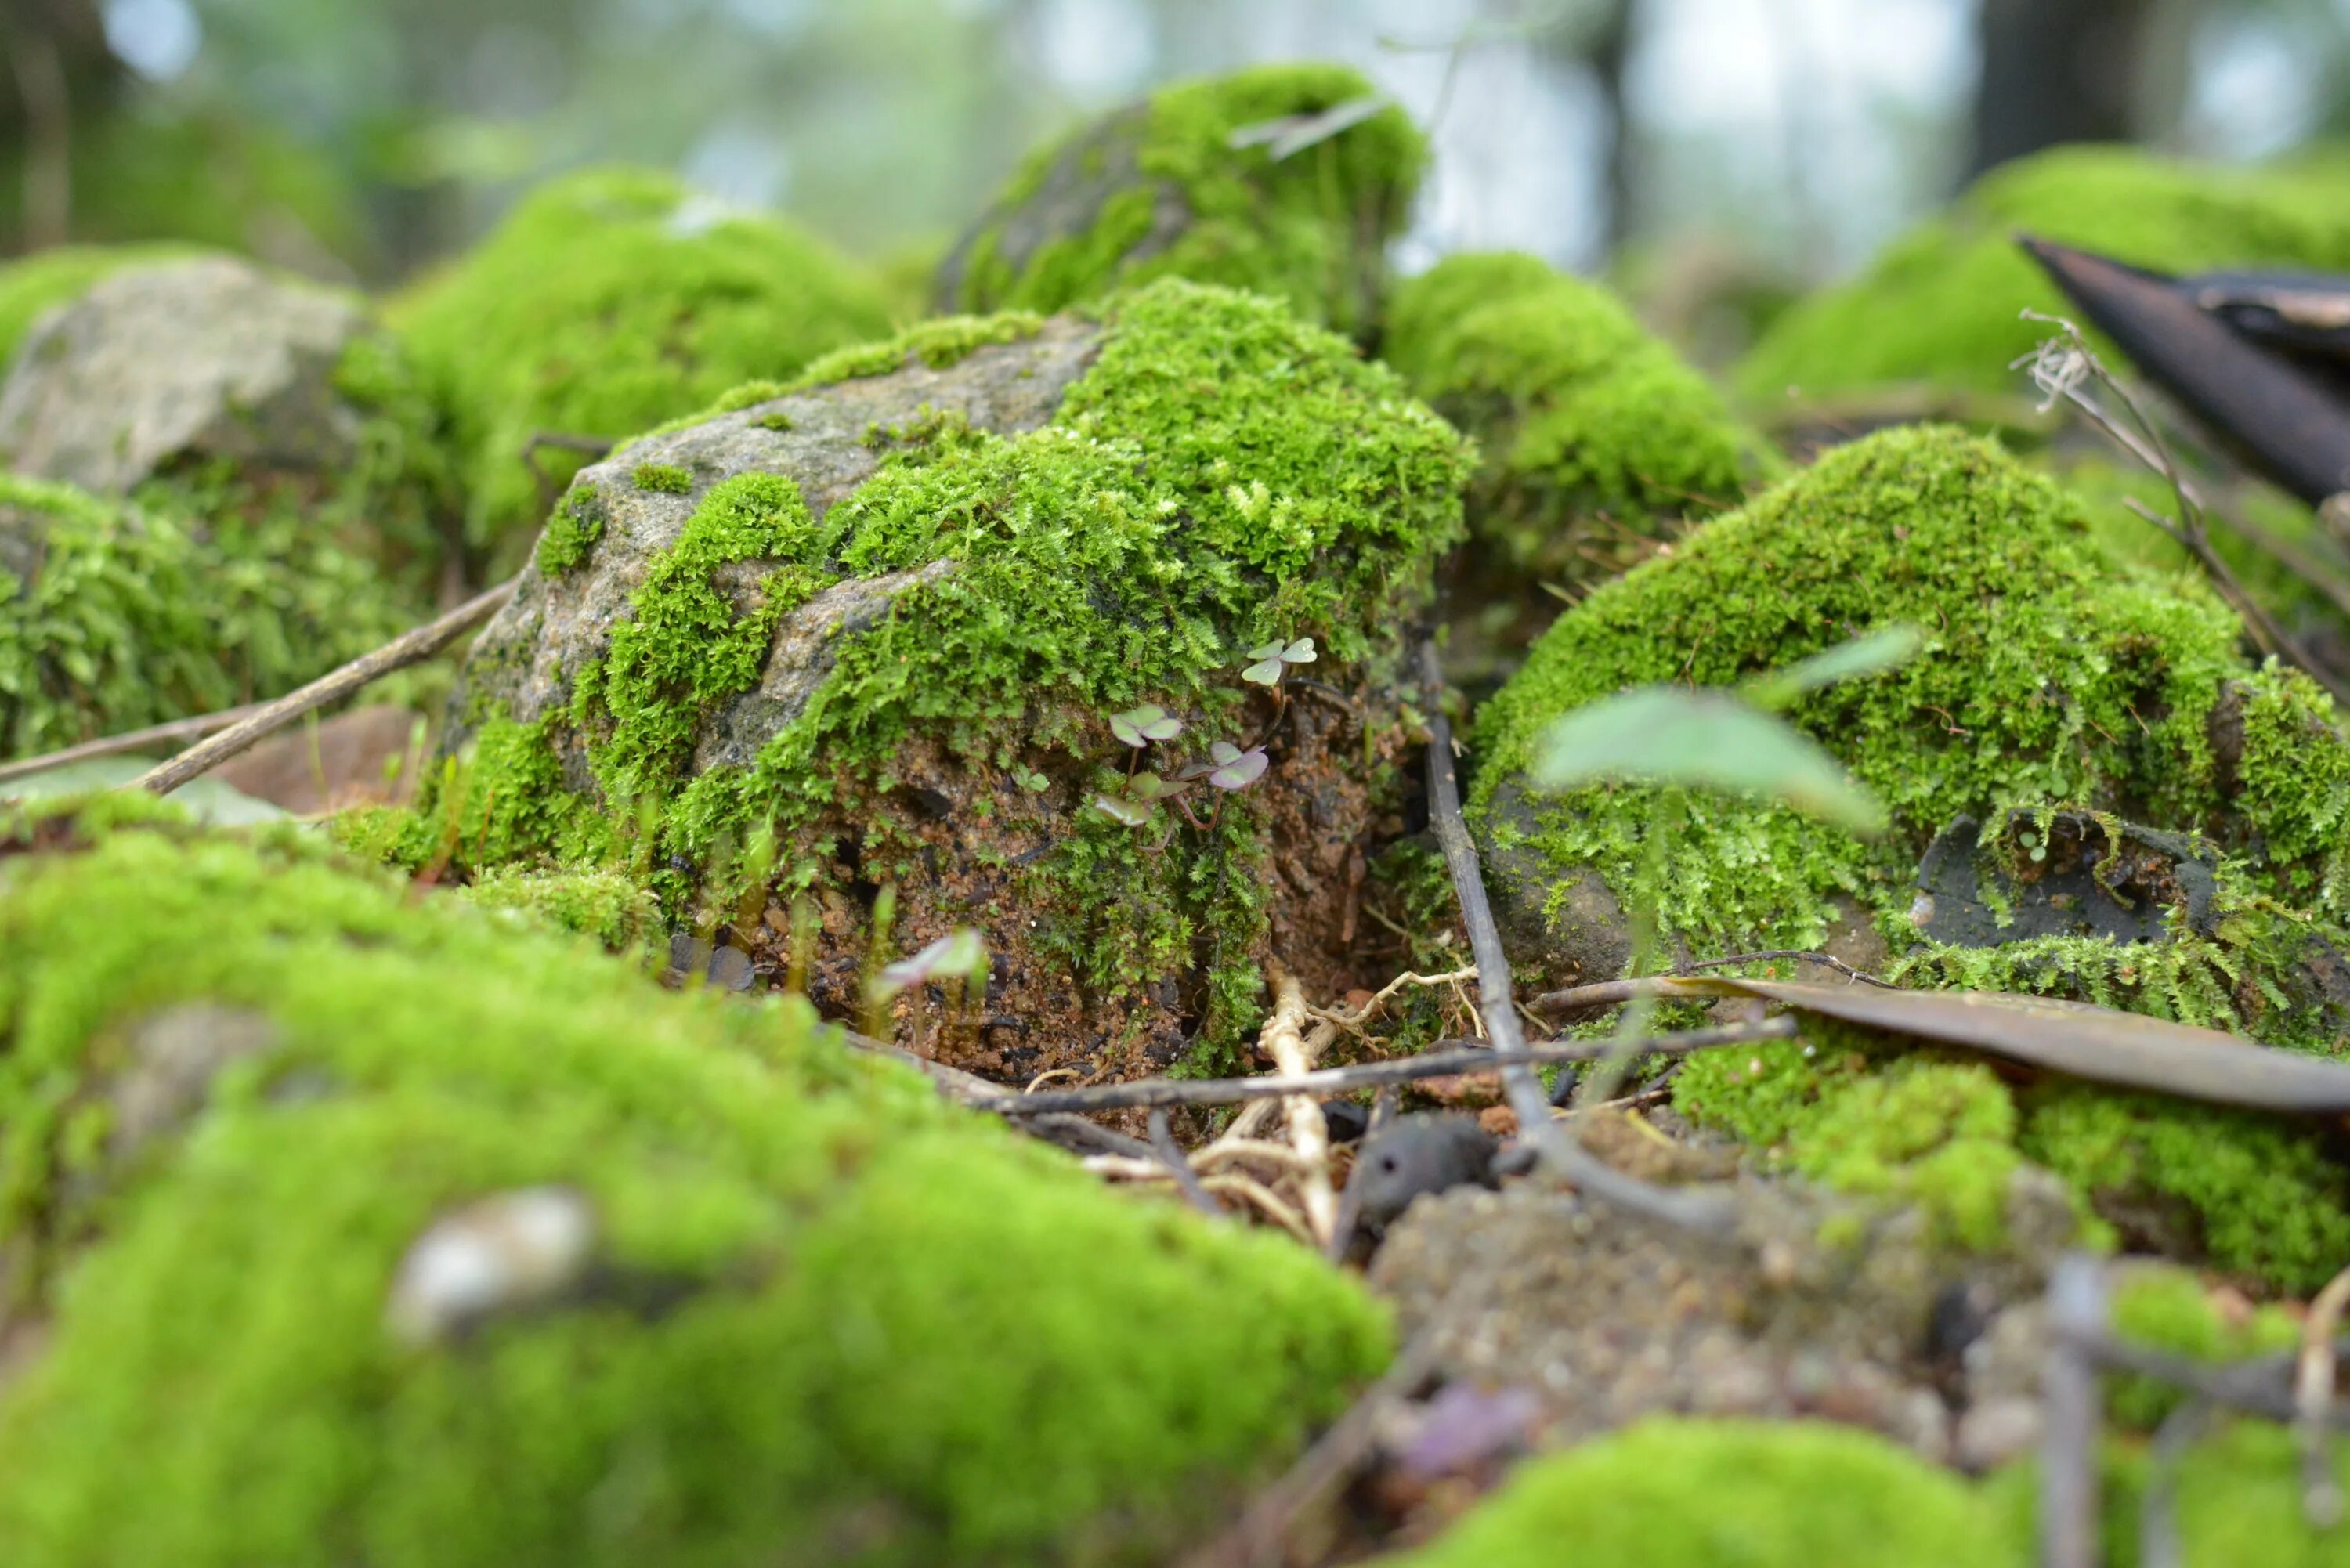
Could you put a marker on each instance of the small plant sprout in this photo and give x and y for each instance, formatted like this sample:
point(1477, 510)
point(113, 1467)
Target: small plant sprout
point(1136, 801)
point(1269, 661)
point(1138, 727)
point(1234, 768)
point(956, 961)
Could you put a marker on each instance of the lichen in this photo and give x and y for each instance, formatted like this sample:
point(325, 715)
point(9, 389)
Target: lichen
point(1222, 475)
point(1594, 436)
point(829, 1317)
point(607, 301)
point(114, 615)
point(1307, 229)
point(1681, 1493)
point(1940, 305)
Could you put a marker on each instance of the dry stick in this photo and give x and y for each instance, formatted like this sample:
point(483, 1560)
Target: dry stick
point(1557, 1146)
point(1828, 960)
point(409, 648)
point(2068, 1391)
point(2321, 1492)
point(2158, 1515)
point(1350, 1202)
point(1283, 1040)
point(128, 740)
point(1186, 1180)
point(1072, 1133)
point(1172, 1092)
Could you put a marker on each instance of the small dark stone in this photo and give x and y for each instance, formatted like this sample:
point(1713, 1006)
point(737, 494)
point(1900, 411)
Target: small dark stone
point(2062, 873)
point(1423, 1153)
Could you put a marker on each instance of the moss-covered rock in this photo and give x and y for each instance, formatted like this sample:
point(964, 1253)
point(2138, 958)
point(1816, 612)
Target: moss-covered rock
point(1726, 1494)
point(740, 1298)
point(1939, 306)
point(32, 283)
point(1596, 440)
point(1160, 190)
point(2048, 680)
point(605, 302)
point(113, 616)
point(878, 640)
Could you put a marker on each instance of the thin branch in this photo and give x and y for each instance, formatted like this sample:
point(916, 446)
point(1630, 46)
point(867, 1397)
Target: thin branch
point(1171, 1155)
point(1350, 1202)
point(1826, 961)
point(1072, 1133)
point(1557, 1146)
point(2069, 1397)
point(189, 729)
point(2321, 1490)
point(409, 648)
point(1144, 1092)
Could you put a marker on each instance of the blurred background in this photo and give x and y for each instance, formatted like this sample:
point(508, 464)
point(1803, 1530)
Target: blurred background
point(1642, 139)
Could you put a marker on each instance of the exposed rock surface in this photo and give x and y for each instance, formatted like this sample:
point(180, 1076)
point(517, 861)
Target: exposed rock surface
point(182, 361)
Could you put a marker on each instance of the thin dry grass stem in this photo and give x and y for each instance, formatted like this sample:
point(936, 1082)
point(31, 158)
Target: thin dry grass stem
point(1229, 1151)
point(2321, 1491)
point(1355, 1021)
point(1283, 1040)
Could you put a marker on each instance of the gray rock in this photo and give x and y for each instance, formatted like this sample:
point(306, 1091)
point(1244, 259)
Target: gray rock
point(2071, 874)
point(174, 1055)
point(527, 658)
point(1587, 938)
point(207, 358)
point(505, 1253)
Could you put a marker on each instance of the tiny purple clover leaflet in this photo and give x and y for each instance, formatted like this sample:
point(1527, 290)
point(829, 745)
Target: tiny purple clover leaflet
point(1236, 769)
point(1274, 658)
point(1138, 727)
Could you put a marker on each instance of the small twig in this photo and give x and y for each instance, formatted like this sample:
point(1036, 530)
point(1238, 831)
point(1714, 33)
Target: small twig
point(1143, 1092)
point(1350, 1202)
point(1362, 1015)
point(409, 648)
point(1249, 1190)
point(2068, 1389)
point(1554, 1145)
point(592, 447)
point(1284, 1040)
point(1072, 1133)
point(2157, 1518)
point(1171, 1155)
point(1826, 960)
point(2321, 1491)
point(187, 729)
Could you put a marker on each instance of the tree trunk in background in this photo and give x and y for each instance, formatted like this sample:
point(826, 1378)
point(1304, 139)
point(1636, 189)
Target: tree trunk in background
point(2055, 70)
point(1611, 46)
point(55, 67)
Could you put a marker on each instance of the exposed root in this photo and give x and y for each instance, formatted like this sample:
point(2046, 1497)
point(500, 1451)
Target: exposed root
point(1293, 1053)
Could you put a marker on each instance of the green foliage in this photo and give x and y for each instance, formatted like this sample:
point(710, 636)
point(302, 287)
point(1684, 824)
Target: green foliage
point(129, 616)
point(662, 476)
point(1941, 304)
point(572, 531)
point(1688, 1493)
point(1307, 229)
point(1594, 435)
point(606, 302)
point(831, 1318)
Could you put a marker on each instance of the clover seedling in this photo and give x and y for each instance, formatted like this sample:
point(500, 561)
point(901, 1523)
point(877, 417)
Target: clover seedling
point(1272, 660)
point(1235, 769)
point(1138, 802)
point(1138, 727)
point(958, 960)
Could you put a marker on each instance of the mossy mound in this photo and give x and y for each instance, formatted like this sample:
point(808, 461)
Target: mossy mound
point(606, 302)
point(1596, 438)
point(2048, 679)
point(32, 283)
point(879, 637)
point(1159, 190)
point(1939, 306)
point(1726, 1494)
point(113, 617)
point(821, 1318)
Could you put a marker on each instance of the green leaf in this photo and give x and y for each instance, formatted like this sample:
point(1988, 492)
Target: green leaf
point(1707, 740)
point(1887, 647)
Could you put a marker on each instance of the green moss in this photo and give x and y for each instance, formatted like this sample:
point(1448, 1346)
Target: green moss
point(1307, 229)
point(1940, 305)
point(2170, 1309)
point(32, 283)
point(606, 302)
point(125, 617)
point(609, 906)
point(1220, 475)
point(938, 344)
point(1594, 435)
point(577, 522)
point(1713, 1494)
point(662, 476)
point(831, 1317)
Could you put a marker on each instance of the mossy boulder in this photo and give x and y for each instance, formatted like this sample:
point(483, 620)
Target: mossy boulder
point(338, 1226)
point(238, 399)
point(1596, 440)
point(605, 302)
point(2050, 683)
point(1727, 1494)
point(1940, 307)
point(32, 283)
point(876, 626)
point(1166, 188)
point(114, 615)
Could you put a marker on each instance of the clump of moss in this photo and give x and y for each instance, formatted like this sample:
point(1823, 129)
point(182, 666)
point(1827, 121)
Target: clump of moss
point(1939, 306)
point(606, 302)
point(610, 906)
point(114, 616)
point(1159, 190)
point(1687, 1493)
point(32, 283)
point(829, 1317)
